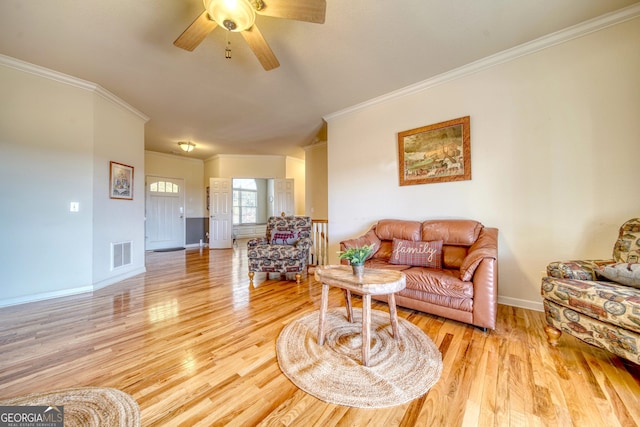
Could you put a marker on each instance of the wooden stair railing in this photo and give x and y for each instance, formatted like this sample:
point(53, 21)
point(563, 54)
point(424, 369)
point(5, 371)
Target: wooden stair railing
point(320, 235)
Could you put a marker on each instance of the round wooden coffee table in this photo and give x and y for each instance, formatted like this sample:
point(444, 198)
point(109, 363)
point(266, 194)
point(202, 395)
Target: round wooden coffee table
point(372, 282)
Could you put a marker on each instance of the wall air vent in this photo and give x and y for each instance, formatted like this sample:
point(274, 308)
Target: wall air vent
point(120, 254)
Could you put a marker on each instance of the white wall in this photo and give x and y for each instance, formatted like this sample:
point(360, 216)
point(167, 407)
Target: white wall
point(211, 170)
point(295, 171)
point(46, 139)
point(554, 144)
point(55, 138)
point(118, 137)
point(245, 166)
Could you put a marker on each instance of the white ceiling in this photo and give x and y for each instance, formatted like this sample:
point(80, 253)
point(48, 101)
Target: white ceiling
point(366, 48)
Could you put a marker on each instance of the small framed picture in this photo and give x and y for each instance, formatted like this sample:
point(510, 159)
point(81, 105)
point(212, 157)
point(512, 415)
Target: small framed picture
point(440, 152)
point(120, 181)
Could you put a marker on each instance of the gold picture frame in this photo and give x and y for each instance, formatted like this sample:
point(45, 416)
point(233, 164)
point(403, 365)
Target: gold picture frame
point(440, 152)
point(120, 181)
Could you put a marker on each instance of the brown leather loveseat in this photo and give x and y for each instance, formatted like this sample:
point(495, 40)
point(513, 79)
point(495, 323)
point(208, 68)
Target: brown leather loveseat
point(461, 284)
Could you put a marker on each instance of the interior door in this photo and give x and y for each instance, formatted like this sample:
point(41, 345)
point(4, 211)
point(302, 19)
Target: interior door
point(165, 224)
point(284, 197)
point(220, 213)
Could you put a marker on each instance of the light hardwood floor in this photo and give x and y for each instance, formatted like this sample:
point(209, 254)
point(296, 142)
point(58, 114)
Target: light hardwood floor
point(194, 344)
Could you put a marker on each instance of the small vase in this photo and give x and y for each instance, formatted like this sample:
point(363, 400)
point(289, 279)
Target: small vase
point(358, 270)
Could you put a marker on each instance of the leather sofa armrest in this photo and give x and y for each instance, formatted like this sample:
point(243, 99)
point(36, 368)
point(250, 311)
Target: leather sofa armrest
point(485, 293)
point(486, 246)
point(576, 269)
point(369, 238)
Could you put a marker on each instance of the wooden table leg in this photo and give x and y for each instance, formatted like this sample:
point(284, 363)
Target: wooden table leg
point(366, 328)
point(323, 312)
point(347, 298)
point(393, 313)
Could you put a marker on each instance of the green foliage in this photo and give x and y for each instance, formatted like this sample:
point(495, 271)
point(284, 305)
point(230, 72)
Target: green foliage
point(356, 256)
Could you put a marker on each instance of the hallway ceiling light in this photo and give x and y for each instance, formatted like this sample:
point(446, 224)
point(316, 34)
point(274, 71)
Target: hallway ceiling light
point(187, 146)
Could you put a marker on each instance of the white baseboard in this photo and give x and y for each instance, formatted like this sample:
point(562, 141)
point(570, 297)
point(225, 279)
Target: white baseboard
point(44, 296)
point(73, 291)
point(115, 279)
point(196, 245)
point(522, 303)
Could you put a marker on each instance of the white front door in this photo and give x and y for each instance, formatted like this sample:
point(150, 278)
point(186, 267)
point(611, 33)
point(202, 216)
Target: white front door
point(164, 226)
point(220, 219)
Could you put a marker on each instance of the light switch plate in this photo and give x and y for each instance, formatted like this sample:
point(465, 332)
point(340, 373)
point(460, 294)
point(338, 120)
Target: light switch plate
point(74, 207)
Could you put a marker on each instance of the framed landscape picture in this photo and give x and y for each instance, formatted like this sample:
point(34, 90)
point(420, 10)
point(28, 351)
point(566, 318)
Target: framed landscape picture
point(120, 181)
point(435, 153)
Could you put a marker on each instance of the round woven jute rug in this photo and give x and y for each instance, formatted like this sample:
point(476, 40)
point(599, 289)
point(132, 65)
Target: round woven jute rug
point(86, 406)
point(398, 372)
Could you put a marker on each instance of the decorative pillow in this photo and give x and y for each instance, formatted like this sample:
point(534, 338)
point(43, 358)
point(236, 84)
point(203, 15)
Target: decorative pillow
point(419, 254)
point(623, 272)
point(627, 248)
point(285, 237)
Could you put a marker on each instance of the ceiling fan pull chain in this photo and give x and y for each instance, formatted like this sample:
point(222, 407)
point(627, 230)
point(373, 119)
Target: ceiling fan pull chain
point(227, 50)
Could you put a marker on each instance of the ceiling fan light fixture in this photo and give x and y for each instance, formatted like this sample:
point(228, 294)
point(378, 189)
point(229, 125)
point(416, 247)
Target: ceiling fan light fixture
point(186, 146)
point(234, 15)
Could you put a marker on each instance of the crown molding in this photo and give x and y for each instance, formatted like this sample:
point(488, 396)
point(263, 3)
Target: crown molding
point(246, 156)
point(294, 159)
point(99, 90)
point(315, 145)
point(544, 42)
point(59, 77)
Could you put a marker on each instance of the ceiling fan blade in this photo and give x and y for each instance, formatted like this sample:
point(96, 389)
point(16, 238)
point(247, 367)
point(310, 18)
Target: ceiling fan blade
point(196, 32)
point(260, 48)
point(299, 10)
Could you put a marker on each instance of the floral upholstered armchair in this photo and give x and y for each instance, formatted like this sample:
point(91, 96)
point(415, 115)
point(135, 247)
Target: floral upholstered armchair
point(284, 250)
point(598, 301)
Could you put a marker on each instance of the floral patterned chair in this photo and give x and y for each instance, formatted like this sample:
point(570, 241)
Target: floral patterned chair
point(598, 301)
point(284, 250)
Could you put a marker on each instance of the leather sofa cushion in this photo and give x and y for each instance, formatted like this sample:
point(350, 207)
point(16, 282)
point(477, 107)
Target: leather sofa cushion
point(463, 304)
point(381, 263)
point(384, 251)
point(438, 282)
point(457, 232)
point(369, 238)
point(388, 229)
point(484, 247)
point(452, 256)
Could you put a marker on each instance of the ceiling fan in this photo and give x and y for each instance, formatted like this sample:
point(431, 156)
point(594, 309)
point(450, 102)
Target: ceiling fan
point(239, 16)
